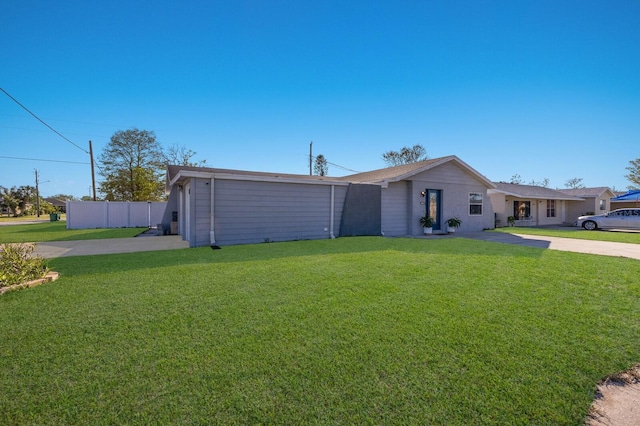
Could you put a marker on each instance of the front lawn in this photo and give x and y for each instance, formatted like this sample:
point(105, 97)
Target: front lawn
point(57, 231)
point(614, 236)
point(346, 331)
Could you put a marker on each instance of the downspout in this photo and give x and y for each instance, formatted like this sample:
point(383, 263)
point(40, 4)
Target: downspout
point(212, 232)
point(332, 212)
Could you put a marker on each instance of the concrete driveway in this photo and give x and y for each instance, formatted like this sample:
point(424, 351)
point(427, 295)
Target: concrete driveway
point(604, 248)
point(53, 249)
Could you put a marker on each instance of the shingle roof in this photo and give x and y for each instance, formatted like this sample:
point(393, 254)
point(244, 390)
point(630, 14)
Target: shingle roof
point(392, 173)
point(532, 191)
point(397, 173)
point(586, 192)
point(389, 174)
point(173, 170)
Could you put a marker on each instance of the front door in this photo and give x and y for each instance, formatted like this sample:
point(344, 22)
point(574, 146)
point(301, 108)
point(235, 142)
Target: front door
point(434, 201)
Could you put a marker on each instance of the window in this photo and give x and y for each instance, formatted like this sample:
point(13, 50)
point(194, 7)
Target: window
point(522, 210)
point(603, 204)
point(475, 204)
point(551, 208)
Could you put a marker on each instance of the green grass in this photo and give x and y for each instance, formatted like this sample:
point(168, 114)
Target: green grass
point(43, 217)
point(56, 231)
point(346, 331)
point(614, 236)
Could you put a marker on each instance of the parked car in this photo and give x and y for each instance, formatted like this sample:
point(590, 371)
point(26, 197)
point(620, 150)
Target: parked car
point(621, 218)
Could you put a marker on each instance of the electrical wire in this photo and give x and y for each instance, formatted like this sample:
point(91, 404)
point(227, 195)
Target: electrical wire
point(315, 157)
point(40, 120)
point(41, 159)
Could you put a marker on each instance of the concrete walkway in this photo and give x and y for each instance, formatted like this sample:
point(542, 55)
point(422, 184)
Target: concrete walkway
point(53, 249)
point(604, 248)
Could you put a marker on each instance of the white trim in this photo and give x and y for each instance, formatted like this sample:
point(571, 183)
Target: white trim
point(232, 176)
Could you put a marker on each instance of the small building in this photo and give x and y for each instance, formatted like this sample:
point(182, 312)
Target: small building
point(213, 206)
point(60, 205)
point(625, 200)
point(596, 201)
point(531, 205)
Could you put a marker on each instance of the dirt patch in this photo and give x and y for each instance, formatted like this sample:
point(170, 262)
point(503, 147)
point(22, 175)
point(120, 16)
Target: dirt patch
point(617, 402)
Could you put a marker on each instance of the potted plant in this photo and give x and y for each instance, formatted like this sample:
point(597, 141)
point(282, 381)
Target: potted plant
point(452, 224)
point(427, 224)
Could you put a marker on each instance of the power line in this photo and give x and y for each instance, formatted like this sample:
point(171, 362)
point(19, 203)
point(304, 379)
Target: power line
point(41, 159)
point(337, 165)
point(40, 120)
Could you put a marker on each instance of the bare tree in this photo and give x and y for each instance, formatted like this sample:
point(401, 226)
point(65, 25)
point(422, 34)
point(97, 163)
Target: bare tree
point(574, 183)
point(516, 179)
point(179, 155)
point(405, 156)
point(543, 183)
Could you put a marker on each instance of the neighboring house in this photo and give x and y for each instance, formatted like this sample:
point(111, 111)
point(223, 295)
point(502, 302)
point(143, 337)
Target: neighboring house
point(224, 207)
point(530, 205)
point(626, 199)
point(596, 201)
point(60, 205)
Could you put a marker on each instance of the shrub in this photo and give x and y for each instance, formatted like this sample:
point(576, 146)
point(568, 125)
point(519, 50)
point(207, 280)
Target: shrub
point(19, 265)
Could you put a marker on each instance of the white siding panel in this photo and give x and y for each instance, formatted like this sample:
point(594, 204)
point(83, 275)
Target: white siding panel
point(114, 214)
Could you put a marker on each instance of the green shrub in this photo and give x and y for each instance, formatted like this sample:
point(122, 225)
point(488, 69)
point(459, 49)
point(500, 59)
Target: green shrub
point(19, 265)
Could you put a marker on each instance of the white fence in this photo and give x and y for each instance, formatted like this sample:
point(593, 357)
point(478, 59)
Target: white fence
point(114, 214)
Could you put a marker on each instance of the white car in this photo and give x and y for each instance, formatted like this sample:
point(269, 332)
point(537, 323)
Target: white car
point(621, 218)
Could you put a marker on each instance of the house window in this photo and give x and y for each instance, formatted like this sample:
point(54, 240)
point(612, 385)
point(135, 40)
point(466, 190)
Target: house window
point(603, 204)
point(551, 208)
point(522, 210)
point(475, 204)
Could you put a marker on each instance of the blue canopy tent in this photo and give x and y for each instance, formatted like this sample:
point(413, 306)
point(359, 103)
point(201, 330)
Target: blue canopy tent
point(631, 196)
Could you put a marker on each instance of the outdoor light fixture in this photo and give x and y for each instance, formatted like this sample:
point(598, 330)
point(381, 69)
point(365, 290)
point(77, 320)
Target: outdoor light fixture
point(422, 193)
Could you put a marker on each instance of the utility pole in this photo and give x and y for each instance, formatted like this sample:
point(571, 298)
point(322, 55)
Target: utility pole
point(37, 195)
point(93, 173)
point(310, 158)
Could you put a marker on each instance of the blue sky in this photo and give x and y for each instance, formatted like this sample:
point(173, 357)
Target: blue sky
point(544, 89)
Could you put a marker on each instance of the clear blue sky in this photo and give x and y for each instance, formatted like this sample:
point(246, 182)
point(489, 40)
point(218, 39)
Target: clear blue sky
point(543, 89)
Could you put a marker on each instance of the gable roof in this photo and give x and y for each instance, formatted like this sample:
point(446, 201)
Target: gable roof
point(588, 192)
point(532, 191)
point(404, 171)
point(377, 177)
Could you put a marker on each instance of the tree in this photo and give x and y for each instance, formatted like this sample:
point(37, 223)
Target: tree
point(634, 174)
point(543, 183)
point(405, 156)
point(179, 155)
point(18, 199)
point(321, 167)
point(133, 167)
point(63, 197)
point(516, 179)
point(574, 183)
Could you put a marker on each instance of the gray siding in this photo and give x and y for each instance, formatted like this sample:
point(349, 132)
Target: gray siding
point(456, 183)
point(248, 212)
point(395, 212)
